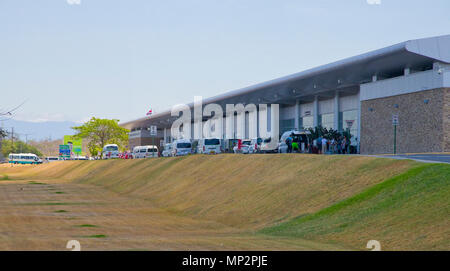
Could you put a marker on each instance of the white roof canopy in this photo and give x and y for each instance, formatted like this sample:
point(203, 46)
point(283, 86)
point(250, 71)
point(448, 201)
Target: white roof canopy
point(346, 74)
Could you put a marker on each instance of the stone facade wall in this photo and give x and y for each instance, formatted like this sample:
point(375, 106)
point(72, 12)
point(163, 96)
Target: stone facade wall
point(421, 123)
point(447, 120)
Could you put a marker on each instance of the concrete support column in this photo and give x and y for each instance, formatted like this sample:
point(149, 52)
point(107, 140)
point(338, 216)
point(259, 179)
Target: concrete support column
point(207, 129)
point(297, 114)
point(316, 111)
point(224, 126)
point(336, 111)
point(359, 122)
point(198, 117)
point(165, 135)
point(240, 125)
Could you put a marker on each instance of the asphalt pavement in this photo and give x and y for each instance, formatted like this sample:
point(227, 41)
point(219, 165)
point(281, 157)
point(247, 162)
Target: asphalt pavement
point(428, 158)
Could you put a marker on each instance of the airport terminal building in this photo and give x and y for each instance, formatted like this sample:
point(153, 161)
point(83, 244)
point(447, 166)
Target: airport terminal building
point(407, 84)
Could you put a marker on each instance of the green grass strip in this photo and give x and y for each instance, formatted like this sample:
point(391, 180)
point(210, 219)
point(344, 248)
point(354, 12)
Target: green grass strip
point(86, 226)
point(363, 196)
point(96, 236)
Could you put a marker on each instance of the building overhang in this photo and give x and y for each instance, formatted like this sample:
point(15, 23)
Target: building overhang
point(345, 75)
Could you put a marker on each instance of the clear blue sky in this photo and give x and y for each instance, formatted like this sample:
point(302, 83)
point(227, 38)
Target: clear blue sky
point(117, 58)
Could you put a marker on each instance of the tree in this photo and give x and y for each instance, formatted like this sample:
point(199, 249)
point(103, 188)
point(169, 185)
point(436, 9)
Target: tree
point(9, 146)
point(319, 131)
point(6, 114)
point(3, 134)
point(316, 132)
point(99, 132)
point(333, 134)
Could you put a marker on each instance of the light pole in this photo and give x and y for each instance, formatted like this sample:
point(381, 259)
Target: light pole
point(395, 124)
point(1, 153)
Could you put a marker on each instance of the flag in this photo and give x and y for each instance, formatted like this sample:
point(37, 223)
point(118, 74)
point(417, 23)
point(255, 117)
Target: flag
point(149, 112)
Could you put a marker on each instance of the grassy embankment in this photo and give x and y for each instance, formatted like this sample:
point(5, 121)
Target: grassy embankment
point(337, 199)
point(409, 211)
point(240, 191)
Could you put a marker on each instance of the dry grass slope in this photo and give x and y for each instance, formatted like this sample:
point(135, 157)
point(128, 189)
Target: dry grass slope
point(260, 202)
point(247, 192)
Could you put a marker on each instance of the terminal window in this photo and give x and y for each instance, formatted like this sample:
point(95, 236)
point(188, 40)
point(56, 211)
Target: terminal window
point(327, 120)
point(349, 120)
point(306, 122)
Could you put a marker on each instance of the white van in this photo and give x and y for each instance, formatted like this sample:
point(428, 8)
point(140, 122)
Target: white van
point(299, 137)
point(52, 159)
point(145, 151)
point(24, 158)
point(167, 150)
point(209, 146)
point(269, 146)
point(110, 151)
point(79, 157)
point(181, 147)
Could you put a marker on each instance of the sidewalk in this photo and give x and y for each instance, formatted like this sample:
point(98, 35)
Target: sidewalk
point(424, 157)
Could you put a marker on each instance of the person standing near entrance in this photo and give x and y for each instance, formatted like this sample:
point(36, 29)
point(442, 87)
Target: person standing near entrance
point(344, 145)
point(319, 145)
point(333, 146)
point(324, 145)
point(289, 143)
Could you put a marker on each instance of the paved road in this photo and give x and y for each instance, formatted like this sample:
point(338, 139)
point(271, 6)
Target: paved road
point(440, 158)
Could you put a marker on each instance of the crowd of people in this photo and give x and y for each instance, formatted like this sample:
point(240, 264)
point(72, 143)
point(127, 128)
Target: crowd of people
point(321, 141)
point(322, 145)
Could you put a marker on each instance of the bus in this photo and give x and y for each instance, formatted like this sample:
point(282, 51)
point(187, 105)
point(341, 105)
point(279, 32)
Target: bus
point(24, 158)
point(110, 151)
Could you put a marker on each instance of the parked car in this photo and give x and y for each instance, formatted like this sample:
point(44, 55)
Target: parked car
point(110, 151)
point(244, 147)
point(209, 146)
point(167, 151)
point(269, 146)
point(52, 158)
point(256, 144)
point(298, 137)
point(181, 147)
point(145, 151)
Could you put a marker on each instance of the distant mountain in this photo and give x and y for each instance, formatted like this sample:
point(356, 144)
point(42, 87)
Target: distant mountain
point(40, 130)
